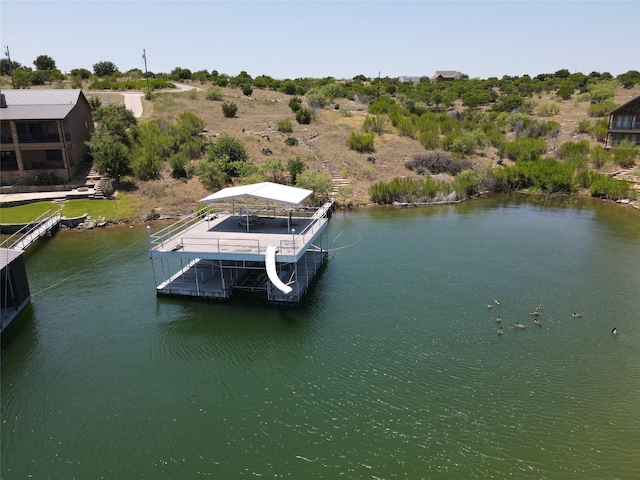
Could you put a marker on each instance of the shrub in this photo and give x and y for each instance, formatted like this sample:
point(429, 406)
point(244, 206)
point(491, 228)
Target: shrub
point(625, 153)
point(214, 93)
point(571, 149)
point(295, 166)
point(599, 156)
point(178, 163)
point(601, 109)
point(525, 149)
point(405, 127)
point(603, 186)
point(601, 129)
point(438, 162)
point(547, 109)
point(267, 151)
point(291, 141)
point(94, 102)
point(468, 142)
point(361, 143)
point(374, 123)
point(430, 140)
point(303, 116)
point(584, 126)
point(295, 104)
point(247, 89)
point(229, 109)
point(407, 190)
point(285, 126)
point(317, 99)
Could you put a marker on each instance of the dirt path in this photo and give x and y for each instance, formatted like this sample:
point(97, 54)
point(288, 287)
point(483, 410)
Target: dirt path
point(133, 100)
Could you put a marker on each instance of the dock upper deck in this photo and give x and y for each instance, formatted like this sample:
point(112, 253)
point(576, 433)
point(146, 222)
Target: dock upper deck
point(226, 236)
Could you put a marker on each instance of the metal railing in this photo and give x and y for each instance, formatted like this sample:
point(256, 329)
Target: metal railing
point(32, 231)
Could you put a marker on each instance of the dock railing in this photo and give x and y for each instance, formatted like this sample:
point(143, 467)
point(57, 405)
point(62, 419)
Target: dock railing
point(235, 245)
point(33, 231)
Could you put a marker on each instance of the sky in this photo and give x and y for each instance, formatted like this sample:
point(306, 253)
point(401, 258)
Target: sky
point(317, 38)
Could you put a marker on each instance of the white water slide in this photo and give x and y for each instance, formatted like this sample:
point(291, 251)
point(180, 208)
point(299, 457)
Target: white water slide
point(270, 261)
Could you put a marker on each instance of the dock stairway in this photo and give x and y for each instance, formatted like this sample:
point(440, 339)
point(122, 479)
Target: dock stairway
point(44, 225)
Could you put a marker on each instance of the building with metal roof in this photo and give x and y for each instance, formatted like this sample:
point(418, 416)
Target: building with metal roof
point(43, 133)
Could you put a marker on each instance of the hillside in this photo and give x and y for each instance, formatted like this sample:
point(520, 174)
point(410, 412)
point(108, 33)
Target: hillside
point(324, 140)
point(322, 144)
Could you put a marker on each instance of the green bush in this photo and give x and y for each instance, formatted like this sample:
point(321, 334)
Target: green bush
point(214, 93)
point(361, 143)
point(625, 153)
point(547, 109)
point(295, 104)
point(599, 156)
point(303, 116)
point(571, 149)
point(430, 140)
point(229, 109)
point(584, 126)
point(405, 127)
point(601, 109)
point(375, 123)
point(285, 126)
point(408, 190)
point(291, 141)
point(178, 164)
point(603, 186)
point(525, 149)
point(601, 129)
point(247, 89)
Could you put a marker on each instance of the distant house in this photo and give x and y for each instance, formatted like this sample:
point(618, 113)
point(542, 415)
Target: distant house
point(624, 123)
point(43, 131)
point(446, 75)
point(407, 79)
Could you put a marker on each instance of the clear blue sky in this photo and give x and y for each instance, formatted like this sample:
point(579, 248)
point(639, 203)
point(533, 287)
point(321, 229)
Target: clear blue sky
point(305, 38)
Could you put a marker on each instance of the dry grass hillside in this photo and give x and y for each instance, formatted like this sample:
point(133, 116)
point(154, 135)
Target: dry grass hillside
point(324, 140)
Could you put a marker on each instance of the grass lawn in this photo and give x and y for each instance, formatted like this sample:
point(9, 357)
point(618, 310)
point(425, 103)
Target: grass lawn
point(70, 209)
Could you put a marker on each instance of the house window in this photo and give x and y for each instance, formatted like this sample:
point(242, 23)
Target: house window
point(8, 161)
point(622, 121)
point(54, 159)
point(35, 133)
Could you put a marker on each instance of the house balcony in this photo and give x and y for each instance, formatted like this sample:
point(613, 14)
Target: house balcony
point(38, 138)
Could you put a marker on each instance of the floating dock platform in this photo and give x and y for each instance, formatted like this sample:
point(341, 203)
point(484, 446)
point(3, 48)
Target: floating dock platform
point(226, 248)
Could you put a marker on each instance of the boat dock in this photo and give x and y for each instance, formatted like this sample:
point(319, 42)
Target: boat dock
point(223, 248)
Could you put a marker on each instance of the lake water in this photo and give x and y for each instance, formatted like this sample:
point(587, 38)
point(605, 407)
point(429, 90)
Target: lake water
point(391, 368)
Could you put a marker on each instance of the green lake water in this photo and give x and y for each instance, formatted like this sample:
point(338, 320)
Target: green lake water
point(391, 368)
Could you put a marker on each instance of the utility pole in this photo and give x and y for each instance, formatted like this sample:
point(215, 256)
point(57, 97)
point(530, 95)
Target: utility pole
point(378, 83)
point(146, 75)
point(10, 66)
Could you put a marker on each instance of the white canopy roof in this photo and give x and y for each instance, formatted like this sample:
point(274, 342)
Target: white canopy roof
point(264, 191)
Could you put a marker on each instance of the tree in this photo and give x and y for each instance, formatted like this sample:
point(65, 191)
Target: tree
point(44, 62)
point(103, 69)
point(320, 183)
point(115, 120)
point(295, 166)
point(229, 146)
point(110, 156)
point(4, 66)
point(273, 169)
